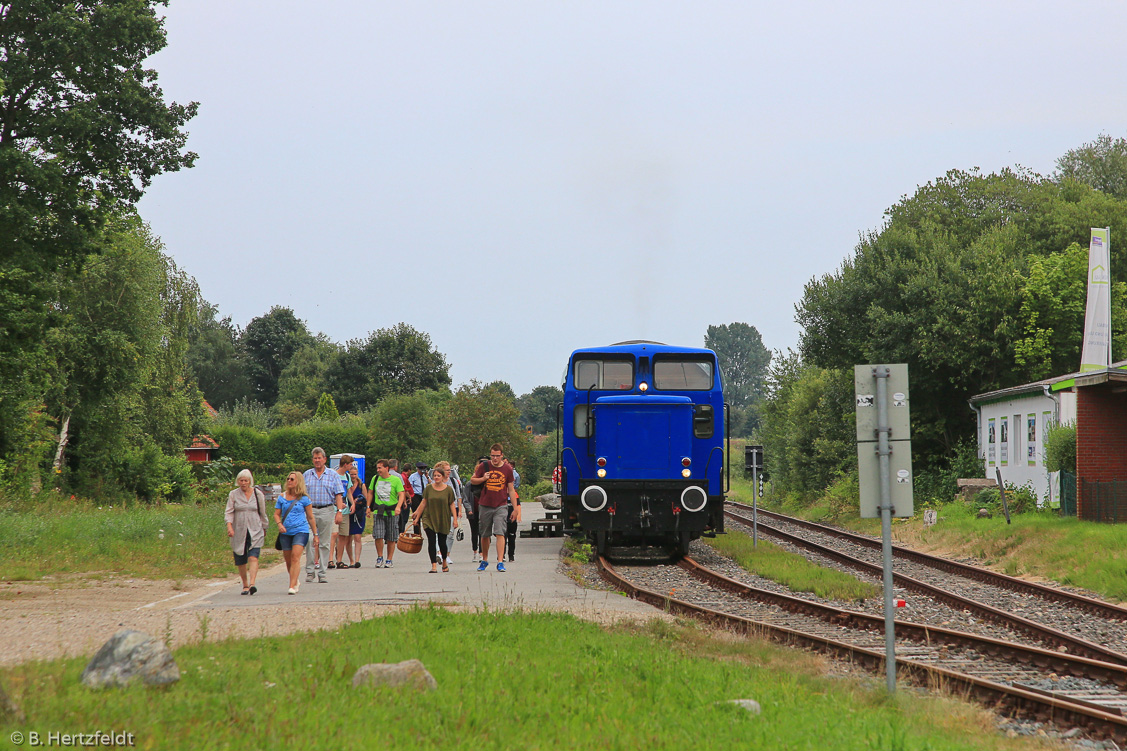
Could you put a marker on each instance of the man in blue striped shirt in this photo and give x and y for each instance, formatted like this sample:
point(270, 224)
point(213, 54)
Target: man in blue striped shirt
point(324, 489)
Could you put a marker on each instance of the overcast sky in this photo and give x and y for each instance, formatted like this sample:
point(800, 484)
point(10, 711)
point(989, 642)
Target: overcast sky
point(522, 179)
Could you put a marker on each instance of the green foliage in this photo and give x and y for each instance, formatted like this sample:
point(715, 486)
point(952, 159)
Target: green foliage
point(808, 425)
point(402, 426)
point(303, 379)
point(219, 472)
point(743, 361)
point(85, 129)
point(326, 408)
point(970, 283)
point(1060, 448)
point(270, 342)
point(215, 360)
point(248, 414)
point(1101, 164)
point(292, 443)
point(476, 417)
point(538, 408)
point(399, 360)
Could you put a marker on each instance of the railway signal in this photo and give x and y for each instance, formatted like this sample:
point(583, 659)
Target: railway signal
point(753, 462)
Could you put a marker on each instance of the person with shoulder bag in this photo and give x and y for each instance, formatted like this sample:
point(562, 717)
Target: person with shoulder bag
point(246, 527)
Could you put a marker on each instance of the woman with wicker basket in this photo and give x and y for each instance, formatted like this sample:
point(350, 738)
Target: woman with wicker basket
point(435, 512)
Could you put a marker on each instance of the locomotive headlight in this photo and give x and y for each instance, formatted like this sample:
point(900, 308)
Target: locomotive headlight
point(601, 473)
point(643, 386)
point(686, 473)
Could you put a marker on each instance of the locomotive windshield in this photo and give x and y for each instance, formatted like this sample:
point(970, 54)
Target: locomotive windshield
point(604, 374)
point(683, 375)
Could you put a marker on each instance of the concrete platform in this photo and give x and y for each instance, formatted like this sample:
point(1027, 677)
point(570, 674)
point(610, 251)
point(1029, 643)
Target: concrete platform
point(533, 581)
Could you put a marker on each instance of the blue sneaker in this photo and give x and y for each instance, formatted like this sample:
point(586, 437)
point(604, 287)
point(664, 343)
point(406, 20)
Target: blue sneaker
point(501, 567)
point(483, 565)
point(379, 562)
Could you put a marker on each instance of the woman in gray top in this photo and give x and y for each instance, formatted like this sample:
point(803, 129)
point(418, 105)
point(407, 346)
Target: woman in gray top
point(246, 527)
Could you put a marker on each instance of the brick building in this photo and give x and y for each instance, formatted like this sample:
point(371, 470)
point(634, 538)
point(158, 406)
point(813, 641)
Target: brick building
point(1101, 444)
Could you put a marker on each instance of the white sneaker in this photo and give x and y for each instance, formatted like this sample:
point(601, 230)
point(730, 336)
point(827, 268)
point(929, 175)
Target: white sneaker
point(292, 591)
point(449, 560)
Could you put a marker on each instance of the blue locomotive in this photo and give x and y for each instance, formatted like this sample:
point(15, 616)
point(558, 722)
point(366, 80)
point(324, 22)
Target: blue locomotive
point(642, 444)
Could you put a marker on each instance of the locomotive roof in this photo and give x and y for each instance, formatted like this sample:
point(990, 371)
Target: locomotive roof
point(643, 347)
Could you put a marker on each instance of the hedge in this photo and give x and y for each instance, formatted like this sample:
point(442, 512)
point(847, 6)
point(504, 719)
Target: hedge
point(290, 445)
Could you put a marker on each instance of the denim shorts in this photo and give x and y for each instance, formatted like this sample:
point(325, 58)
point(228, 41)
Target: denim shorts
point(288, 541)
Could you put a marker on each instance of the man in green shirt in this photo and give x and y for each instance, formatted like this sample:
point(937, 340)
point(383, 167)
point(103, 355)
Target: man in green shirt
point(385, 496)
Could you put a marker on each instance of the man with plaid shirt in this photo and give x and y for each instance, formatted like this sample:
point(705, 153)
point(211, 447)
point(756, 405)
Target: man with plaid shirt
point(324, 489)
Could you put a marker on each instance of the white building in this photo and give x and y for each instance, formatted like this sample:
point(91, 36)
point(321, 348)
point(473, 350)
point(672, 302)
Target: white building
point(1011, 431)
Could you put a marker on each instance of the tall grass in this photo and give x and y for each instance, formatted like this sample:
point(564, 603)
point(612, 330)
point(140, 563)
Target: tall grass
point(790, 569)
point(505, 681)
point(166, 541)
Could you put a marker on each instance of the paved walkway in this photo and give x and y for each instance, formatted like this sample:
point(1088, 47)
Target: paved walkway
point(533, 581)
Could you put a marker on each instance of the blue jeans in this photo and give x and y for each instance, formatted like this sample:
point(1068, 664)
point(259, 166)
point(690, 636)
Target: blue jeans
point(288, 541)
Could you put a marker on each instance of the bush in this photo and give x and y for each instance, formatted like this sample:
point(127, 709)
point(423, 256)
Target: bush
point(1019, 500)
point(1060, 448)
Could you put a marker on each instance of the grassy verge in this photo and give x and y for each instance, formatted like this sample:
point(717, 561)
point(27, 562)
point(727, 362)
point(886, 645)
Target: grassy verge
point(1041, 544)
point(790, 569)
point(1080, 553)
point(506, 681)
point(168, 541)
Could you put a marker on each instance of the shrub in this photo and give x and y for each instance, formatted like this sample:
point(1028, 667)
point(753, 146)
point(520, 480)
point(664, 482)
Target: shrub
point(1060, 448)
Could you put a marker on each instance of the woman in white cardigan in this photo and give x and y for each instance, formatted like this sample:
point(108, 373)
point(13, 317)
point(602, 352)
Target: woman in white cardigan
point(246, 526)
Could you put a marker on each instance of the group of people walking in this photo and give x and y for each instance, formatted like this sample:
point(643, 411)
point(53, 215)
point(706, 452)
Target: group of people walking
point(323, 514)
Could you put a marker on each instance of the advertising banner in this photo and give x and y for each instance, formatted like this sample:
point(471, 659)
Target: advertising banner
point(1097, 317)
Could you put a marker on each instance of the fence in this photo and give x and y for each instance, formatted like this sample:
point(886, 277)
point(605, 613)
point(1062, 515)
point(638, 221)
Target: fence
point(1067, 494)
point(1105, 501)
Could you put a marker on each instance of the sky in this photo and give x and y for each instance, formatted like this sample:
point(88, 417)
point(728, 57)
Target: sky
point(522, 179)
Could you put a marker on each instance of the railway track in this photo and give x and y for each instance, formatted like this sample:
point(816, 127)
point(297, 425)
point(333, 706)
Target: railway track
point(1047, 628)
point(1016, 679)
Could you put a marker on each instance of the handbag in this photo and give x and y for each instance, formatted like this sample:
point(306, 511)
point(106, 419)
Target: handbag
point(278, 539)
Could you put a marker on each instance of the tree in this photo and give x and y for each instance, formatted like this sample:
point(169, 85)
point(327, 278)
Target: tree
point(118, 392)
point(743, 361)
point(326, 408)
point(215, 360)
point(303, 379)
point(399, 360)
point(270, 342)
point(1101, 164)
point(403, 427)
point(475, 418)
point(538, 408)
point(83, 130)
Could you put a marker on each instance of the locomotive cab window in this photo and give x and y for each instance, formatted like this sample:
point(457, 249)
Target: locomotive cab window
point(604, 375)
point(683, 375)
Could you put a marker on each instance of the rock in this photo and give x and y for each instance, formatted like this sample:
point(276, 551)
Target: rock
point(409, 672)
point(550, 501)
point(984, 513)
point(751, 705)
point(9, 710)
point(129, 655)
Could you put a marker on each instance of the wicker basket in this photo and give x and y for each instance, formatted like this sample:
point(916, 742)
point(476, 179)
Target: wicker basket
point(409, 542)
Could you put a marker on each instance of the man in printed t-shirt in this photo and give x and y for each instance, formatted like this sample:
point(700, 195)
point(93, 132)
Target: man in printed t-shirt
point(493, 506)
